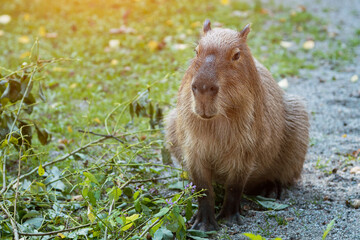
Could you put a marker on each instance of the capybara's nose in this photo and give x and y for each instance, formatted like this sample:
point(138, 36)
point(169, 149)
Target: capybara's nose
point(202, 88)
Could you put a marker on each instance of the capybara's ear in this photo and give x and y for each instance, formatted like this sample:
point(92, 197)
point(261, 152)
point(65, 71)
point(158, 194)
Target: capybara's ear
point(207, 26)
point(245, 32)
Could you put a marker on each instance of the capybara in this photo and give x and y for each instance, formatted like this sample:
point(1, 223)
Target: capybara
point(234, 125)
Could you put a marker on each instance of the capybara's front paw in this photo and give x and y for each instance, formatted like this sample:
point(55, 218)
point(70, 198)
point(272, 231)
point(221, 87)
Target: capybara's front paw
point(204, 221)
point(230, 219)
point(205, 225)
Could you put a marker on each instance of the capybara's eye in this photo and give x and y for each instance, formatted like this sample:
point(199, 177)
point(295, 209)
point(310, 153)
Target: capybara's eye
point(236, 56)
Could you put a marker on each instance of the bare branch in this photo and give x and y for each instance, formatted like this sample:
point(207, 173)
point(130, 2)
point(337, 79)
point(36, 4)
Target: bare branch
point(102, 135)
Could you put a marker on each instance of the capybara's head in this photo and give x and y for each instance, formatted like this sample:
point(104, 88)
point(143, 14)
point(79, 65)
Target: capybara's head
point(221, 72)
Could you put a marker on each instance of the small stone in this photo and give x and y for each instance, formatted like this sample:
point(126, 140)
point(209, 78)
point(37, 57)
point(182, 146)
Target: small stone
point(355, 170)
point(355, 203)
point(61, 146)
point(284, 84)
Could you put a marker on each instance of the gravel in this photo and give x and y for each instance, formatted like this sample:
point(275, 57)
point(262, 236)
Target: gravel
point(327, 186)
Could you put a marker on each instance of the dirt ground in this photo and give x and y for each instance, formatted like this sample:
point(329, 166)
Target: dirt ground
point(333, 102)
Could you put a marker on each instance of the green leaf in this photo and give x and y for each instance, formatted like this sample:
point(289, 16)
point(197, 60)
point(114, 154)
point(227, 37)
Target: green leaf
point(151, 110)
point(130, 222)
point(137, 205)
point(43, 135)
point(34, 54)
point(41, 170)
point(41, 93)
point(34, 222)
point(90, 214)
point(180, 185)
point(268, 203)
point(197, 233)
point(136, 195)
point(253, 236)
point(131, 110)
point(115, 194)
point(85, 191)
point(32, 213)
point(162, 212)
point(163, 234)
point(91, 177)
point(188, 210)
point(165, 156)
point(92, 198)
point(12, 91)
point(328, 228)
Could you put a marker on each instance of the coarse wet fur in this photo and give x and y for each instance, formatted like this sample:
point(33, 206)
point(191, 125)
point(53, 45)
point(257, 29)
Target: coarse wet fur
point(234, 125)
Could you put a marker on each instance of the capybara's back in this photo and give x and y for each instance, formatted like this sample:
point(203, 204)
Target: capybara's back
point(233, 124)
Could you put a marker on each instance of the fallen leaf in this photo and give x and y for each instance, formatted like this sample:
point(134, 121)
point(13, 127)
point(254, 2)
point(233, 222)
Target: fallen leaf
point(169, 22)
point(5, 19)
point(284, 84)
point(180, 46)
point(354, 78)
point(286, 44)
point(51, 35)
point(242, 14)
point(42, 31)
point(74, 85)
point(355, 203)
point(355, 170)
point(97, 120)
point(69, 128)
point(217, 24)
point(264, 11)
point(77, 198)
point(195, 24)
point(153, 45)
point(63, 141)
point(122, 30)
point(24, 55)
point(114, 62)
point(302, 8)
point(356, 153)
point(225, 2)
point(310, 44)
point(58, 69)
point(26, 17)
point(114, 43)
point(90, 85)
point(61, 235)
point(24, 39)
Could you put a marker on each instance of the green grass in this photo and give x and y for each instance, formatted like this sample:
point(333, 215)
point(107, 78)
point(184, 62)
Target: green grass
point(91, 89)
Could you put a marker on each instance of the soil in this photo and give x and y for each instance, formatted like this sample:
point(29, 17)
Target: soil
point(327, 186)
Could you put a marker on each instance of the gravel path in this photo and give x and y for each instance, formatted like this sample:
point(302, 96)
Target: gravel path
point(326, 184)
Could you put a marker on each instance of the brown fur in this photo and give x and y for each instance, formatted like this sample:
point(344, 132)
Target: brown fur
point(255, 136)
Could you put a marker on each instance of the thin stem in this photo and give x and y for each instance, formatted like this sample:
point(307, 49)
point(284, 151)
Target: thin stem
point(111, 206)
point(12, 128)
point(12, 221)
point(57, 160)
point(56, 232)
point(17, 183)
point(159, 219)
point(102, 135)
